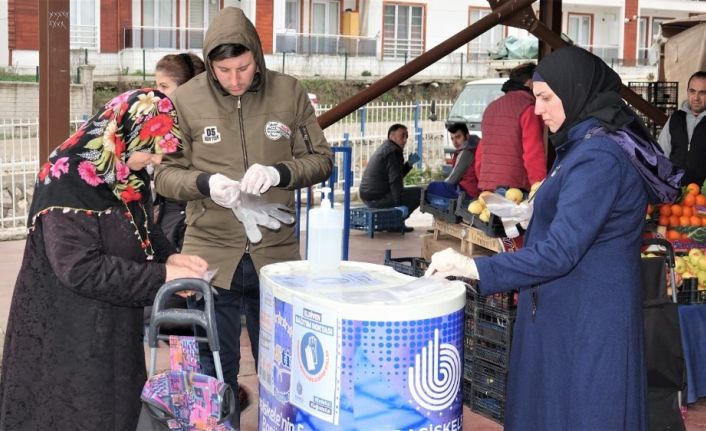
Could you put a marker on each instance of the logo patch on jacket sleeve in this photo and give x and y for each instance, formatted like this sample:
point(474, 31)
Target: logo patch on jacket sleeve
point(275, 130)
point(210, 135)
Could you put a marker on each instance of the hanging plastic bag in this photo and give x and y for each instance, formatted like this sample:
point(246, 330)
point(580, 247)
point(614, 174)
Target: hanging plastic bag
point(510, 213)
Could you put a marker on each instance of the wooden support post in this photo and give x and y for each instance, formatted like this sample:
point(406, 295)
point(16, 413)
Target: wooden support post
point(54, 75)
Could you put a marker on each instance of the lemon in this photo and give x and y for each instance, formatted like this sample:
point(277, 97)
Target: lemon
point(476, 207)
point(482, 195)
point(485, 215)
point(514, 195)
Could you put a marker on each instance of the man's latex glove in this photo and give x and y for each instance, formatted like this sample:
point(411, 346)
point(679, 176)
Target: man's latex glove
point(258, 179)
point(413, 158)
point(450, 262)
point(403, 210)
point(254, 211)
point(223, 190)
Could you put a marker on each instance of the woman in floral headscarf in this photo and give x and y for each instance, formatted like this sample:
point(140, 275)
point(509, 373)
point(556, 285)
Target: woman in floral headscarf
point(74, 357)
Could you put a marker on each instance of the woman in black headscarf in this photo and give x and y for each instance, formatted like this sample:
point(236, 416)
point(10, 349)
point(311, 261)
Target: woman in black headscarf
point(576, 361)
point(74, 357)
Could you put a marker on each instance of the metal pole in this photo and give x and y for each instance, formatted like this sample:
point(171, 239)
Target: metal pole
point(423, 61)
point(144, 66)
point(461, 65)
point(348, 182)
point(416, 115)
point(420, 147)
point(362, 120)
point(283, 55)
point(345, 67)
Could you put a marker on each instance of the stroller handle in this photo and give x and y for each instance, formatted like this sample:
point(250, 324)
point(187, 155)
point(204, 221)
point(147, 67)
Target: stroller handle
point(205, 319)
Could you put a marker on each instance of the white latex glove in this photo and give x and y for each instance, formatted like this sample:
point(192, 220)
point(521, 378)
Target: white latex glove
point(258, 179)
point(450, 262)
point(254, 211)
point(224, 191)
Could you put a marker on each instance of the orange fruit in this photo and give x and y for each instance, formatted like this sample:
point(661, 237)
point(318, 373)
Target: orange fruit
point(695, 220)
point(693, 188)
point(650, 209)
point(687, 211)
point(673, 220)
point(672, 234)
point(663, 221)
point(689, 200)
point(677, 210)
point(666, 210)
point(684, 220)
point(685, 236)
point(700, 200)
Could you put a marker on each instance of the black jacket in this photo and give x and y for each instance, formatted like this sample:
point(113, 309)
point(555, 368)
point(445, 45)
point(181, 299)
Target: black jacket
point(384, 174)
point(688, 155)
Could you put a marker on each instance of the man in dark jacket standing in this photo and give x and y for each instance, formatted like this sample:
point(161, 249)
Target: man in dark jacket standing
point(683, 138)
point(382, 185)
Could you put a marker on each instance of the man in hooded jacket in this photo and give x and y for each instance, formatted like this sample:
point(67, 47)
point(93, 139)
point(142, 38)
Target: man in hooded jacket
point(243, 122)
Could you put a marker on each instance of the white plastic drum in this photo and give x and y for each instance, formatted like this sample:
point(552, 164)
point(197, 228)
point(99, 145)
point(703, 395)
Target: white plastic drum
point(364, 348)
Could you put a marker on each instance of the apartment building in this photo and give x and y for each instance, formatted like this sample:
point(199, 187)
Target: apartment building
point(121, 36)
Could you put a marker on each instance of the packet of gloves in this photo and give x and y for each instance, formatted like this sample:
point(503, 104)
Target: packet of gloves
point(510, 213)
point(254, 211)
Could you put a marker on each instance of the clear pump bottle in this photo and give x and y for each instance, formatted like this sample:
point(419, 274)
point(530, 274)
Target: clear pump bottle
point(325, 236)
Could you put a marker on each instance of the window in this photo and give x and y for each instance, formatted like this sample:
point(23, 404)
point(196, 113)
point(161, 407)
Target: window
point(325, 17)
point(158, 22)
point(291, 15)
point(481, 47)
point(643, 40)
point(201, 13)
point(403, 31)
point(579, 29)
point(84, 32)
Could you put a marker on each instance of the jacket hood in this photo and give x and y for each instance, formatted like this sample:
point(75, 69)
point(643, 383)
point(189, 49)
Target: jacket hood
point(231, 26)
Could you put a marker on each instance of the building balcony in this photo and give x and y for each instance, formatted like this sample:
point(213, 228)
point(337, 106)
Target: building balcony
point(325, 44)
point(182, 38)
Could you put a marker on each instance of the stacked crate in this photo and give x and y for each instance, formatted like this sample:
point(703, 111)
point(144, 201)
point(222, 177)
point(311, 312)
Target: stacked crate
point(489, 324)
point(662, 94)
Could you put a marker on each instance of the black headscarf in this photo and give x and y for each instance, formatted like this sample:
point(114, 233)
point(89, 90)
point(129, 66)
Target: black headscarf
point(587, 88)
point(88, 172)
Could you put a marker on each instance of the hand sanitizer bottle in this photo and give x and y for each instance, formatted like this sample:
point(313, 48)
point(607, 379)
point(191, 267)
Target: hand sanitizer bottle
point(325, 236)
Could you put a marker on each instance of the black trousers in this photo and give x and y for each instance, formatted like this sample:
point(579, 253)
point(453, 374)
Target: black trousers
point(411, 196)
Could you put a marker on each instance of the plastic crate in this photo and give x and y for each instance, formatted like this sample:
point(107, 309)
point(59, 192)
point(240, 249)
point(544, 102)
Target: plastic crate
point(493, 228)
point(414, 266)
point(440, 207)
point(374, 220)
point(493, 323)
point(686, 297)
point(662, 94)
point(487, 403)
point(467, 391)
point(489, 376)
point(494, 353)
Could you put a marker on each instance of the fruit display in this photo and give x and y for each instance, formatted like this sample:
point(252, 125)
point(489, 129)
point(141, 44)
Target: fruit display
point(684, 220)
point(692, 265)
point(478, 207)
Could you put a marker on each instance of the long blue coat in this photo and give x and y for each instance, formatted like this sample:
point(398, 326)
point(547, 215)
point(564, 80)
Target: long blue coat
point(577, 363)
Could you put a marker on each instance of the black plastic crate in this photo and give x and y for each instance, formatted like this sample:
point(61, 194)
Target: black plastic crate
point(467, 367)
point(489, 376)
point(487, 403)
point(662, 94)
point(493, 323)
point(494, 353)
point(493, 228)
point(414, 266)
point(686, 297)
point(440, 207)
point(467, 390)
point(374, 220)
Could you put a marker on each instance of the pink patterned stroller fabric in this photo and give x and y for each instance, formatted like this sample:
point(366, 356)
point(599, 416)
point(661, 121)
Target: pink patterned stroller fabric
point(190, 400)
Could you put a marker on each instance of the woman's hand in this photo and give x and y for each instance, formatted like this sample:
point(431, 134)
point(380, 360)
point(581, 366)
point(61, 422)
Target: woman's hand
point(450, 262)
point(185, 266)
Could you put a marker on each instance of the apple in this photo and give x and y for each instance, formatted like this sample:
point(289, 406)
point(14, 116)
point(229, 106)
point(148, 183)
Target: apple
point(475, 207)
point(514, 194)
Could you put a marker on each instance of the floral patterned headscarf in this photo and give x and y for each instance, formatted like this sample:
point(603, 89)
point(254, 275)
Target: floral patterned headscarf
point(88, 172)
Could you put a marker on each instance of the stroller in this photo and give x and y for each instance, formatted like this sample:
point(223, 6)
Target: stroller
point(182, 398)
point(664, 357)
